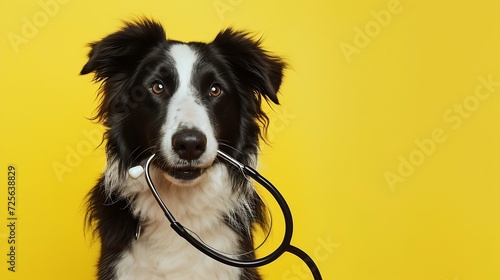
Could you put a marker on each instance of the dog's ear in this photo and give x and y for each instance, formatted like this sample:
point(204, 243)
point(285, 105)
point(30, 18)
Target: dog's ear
point(121, 52)
point(262, 70)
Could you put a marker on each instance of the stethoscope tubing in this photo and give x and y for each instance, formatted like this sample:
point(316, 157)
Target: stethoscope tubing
point(285, 245)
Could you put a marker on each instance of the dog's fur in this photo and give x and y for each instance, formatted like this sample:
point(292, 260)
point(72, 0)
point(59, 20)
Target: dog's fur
point(182, 101)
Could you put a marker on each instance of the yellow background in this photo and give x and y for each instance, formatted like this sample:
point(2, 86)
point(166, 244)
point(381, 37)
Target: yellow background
point(389, 106)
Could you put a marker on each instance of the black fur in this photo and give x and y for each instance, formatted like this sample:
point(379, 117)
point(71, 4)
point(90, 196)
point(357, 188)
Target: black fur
point(114, 224)
point(125, 63)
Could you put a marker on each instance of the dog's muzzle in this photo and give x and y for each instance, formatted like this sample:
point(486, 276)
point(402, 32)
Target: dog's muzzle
point(189, 145)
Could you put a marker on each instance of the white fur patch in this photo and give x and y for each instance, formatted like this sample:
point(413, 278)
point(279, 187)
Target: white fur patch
point(185, 110)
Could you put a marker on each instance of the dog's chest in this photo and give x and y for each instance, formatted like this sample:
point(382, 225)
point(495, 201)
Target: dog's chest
point(159, 253)
point(167, 256)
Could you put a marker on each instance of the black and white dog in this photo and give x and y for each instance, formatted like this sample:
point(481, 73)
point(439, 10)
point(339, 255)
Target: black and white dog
point(183, 102)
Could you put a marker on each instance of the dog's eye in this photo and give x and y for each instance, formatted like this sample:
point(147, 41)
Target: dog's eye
point(215, 90)
point(157, 87)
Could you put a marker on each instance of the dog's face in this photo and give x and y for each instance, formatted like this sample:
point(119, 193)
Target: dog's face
point(182, 101)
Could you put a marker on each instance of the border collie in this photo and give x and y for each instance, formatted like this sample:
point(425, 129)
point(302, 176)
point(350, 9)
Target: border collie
point(182, 102)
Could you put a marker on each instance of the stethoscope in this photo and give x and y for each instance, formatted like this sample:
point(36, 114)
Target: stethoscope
point(285, 245)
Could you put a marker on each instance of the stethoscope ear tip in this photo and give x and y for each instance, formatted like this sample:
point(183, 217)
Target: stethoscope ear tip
point(136, 171)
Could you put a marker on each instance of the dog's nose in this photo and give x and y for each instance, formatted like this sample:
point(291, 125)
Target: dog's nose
point(189, 144)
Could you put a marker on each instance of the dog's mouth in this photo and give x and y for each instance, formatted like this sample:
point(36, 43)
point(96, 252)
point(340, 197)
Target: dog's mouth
point(182, 172)
point(187, 173)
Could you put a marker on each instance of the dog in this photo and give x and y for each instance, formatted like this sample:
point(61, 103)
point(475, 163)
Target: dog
point(181, 101)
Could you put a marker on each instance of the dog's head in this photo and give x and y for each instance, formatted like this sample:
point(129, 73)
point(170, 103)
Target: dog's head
point(182, 101)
